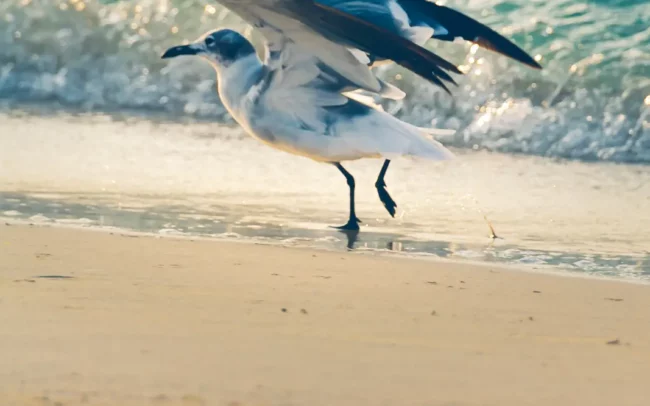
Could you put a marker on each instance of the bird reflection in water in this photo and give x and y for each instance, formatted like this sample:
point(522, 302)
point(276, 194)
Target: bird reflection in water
point(352, 236)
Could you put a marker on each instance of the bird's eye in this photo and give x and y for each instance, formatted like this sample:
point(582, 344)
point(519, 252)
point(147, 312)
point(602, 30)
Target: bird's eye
point(209, 41)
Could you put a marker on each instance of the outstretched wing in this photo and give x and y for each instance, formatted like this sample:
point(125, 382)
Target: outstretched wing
point(298, 84)
point(280, 29)
point(421, 20)
point(329, 34)
point(449, 24)
point(296, 110)
point(286, 58)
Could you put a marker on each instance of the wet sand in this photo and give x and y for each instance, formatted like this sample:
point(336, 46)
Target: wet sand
point(128, 172)
point(105, 319)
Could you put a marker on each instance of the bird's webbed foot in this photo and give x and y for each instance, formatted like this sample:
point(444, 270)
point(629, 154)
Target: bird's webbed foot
point(351, 225)
point(385, 198)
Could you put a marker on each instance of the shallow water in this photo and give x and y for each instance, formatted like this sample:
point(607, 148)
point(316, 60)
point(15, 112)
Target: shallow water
point(96, 130)
point(209, 180)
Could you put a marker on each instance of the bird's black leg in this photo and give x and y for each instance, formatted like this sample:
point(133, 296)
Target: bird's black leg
point(353, 221)
point(385, 198)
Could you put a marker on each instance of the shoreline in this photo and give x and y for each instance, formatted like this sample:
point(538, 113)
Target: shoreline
point(536, 269)
point(99, 319)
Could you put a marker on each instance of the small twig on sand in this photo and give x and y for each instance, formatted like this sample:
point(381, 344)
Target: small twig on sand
point(493, 234)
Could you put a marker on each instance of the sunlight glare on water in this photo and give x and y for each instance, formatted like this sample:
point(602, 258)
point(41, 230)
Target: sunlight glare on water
point(216, 173)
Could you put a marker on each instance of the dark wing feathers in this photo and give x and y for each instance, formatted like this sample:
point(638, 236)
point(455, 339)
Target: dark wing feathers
point(384, 44)
point(460, 25)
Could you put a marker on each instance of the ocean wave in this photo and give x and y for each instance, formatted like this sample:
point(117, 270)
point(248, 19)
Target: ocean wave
point(590, 102)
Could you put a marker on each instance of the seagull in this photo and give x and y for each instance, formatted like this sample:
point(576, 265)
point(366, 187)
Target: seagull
point(294, 102)
point(353, 35)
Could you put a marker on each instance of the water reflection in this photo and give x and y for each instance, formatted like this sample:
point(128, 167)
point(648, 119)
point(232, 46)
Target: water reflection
point(228, 222)
point(352, 236)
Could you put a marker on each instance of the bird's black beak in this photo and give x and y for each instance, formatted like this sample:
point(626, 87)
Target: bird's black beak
point(181, 50)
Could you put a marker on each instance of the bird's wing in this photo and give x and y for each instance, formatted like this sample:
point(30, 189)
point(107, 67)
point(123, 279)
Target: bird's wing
point(287, 56)
point(449, 24)
point(420, 20)
point(297, 84)
point(329, 34)
point(299, 103)
point(279, 28)
point(353, 131)
point(387, 14)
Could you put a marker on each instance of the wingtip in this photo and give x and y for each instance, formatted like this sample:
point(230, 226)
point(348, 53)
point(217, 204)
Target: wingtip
point(464, 26)
point(533, 64)
point(446, 89)
point(504, 47)
point(457, 71)
point(522, 57)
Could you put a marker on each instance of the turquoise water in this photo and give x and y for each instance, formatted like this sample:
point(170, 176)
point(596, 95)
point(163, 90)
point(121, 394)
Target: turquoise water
point(587, 103)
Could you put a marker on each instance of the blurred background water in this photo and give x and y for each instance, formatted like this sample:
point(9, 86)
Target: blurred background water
point(590, 102)
point(97, 130)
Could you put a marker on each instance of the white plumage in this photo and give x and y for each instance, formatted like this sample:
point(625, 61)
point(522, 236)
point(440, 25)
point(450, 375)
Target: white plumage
point(295, 103)
point(304, 98)
point(291, 108)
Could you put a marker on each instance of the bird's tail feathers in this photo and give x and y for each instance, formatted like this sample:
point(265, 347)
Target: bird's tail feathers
point(418, 142)
point(407, 139)
point(429, 148)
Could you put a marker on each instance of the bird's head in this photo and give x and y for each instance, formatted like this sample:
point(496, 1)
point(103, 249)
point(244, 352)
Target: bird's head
point(221, 47)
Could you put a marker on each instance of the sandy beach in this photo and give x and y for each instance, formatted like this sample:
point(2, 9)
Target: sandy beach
point(105, 319)
point(154, 253)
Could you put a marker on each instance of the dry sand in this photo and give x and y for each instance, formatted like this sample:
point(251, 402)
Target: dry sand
point(98, 319)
